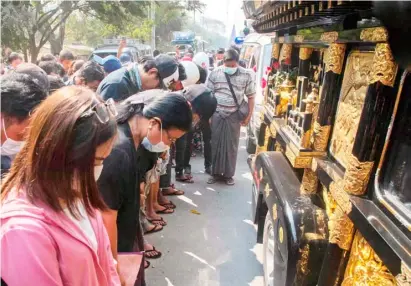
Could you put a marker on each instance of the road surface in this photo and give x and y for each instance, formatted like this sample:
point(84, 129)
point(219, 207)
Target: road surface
point(216, 247)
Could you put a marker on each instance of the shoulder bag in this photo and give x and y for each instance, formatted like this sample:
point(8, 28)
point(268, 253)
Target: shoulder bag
point(242, 109)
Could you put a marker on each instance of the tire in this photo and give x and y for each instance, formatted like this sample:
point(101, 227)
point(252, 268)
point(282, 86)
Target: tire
point(268, 251)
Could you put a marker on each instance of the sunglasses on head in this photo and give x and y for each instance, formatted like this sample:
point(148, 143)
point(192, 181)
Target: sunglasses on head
point(102, 111)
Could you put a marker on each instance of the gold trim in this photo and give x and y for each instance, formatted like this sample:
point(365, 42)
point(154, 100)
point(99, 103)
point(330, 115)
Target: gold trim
point(321, 135)
point(340, 196)
point(378, 34)
point(404, 278)
point(384, 68)
point(278, 147)
point(273, 131)
point(335, 58)
point(329, 37)
point(267, 190)
point(356, 176)
point(286, 52)
point(298, 161)
point(305, 53)
point(365, 267)
point(298, 38)
point(309, 183)
point(341, 229)
point(281, 39)
point(281, 234)
point(276, 51)
point(302, 264)
point(275, 213)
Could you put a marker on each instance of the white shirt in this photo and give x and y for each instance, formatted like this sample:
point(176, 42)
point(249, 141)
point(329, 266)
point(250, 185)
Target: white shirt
point(84, 224)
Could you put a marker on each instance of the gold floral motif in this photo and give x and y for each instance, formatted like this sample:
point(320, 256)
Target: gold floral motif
point(302, 264)
point(341, 229)
point(281, 234)
point(298, 161)
point(322, 228)
point(340, 196)
point(275, 215)
point(267, 190)
point(281, 39)
point(321, 135)
point(309, 182)
point(356, 176)
point(278, 147)
point(335, 58)
point(384, 68)
point(329, 37)
point(298, 38)
point(286, 52)
point(365, 267)
point(276, 51)
point(305, 53)
point(404, 278)
point(378, 34)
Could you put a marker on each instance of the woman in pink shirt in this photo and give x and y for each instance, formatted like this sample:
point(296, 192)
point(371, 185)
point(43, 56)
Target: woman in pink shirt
point(52, 231)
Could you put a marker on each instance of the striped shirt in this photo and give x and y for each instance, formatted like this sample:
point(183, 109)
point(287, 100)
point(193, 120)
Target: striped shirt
point(243, 82)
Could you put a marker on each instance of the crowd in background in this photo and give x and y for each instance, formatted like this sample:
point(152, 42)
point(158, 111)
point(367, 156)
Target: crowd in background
point(86, 158)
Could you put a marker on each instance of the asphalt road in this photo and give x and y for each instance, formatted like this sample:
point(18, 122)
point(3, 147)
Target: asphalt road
point(218, 245)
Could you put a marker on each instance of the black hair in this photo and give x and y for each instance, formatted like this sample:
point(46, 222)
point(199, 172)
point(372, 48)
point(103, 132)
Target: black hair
point(20, 94)
point(203, 74)
point(14, 56)
point(47, 57)
point(148, 63)
point(91, 71)
point(55, 83)
point(234, 47)
point(156, 53)
point(66, 55)
point(172, 108)
point(231, 54)
point(50, 67)
point(181, 72)
point(204, 105)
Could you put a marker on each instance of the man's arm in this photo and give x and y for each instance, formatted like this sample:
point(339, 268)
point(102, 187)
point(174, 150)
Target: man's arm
point(121, 47)
point(251, 104)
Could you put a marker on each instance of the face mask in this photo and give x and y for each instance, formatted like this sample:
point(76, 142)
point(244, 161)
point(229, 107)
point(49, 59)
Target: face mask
point(230, 71)
point(10, 147)
point(97, 172)
point(157, 148)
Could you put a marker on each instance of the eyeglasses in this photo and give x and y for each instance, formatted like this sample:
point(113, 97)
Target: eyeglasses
point(102, 111)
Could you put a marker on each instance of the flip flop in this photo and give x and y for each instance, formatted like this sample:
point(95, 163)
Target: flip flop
point(171, 205)
point(174, 192)
point(165, 211)
point(148, 264)
point(161, 221)
point(158, 255)
point(184, 179)
point(211, 180)
point(157, 228)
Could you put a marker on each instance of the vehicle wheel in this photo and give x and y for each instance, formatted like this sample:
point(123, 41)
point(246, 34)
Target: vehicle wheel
point(268, 251)
point(250, 145)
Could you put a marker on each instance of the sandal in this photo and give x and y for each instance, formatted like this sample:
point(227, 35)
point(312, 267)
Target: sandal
point(156, 228)
point(229, 181)
point(154, 256)
point(146, 264)
point(172, 191)
point(211, 180)
point(166, 211)
point(184, 179)
point(161, 221)
point(170, 205)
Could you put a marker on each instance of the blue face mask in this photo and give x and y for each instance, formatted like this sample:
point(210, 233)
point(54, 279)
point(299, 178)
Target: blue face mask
point(160, 147)
point(230, 71)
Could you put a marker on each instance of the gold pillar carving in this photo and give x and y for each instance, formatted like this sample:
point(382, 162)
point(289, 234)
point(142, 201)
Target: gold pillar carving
point(384, 68)
point(298, 38)
point(357, 175)
point(286, 52)
point(276, 51)
point(341, 229)
point(321, 135)
point(335, 58)
point(278, 147)
point(329, 37)
point(365, 267)
point(266, 137)
point(378, 34)
point(309, 184)
point(305, 53)
point(340, 196)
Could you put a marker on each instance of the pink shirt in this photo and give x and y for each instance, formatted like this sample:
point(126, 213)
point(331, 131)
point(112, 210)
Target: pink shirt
point(42, 247)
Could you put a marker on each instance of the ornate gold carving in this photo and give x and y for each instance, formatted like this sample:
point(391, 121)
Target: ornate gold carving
point(276, 51)
point(384, 68)
point(281, 234)
point(321, 135)
point(309, 182)
point(306, 139)
point(267, 190)
point(305, 53)
point(285, 52)
point(281, 39)
point(378, 34)
point(278, 147)
point(356, 176)
point(266, 138)
point(352, 96)
point(334, 58)
point(404, 278)
point(297, 161)
point(365, 267)
point(298, 38)
point(302, 264)
point(340, 196)
point(259, 150)
point(341, 229)
point(275, 215)
point(273, 131)
point(329, 37)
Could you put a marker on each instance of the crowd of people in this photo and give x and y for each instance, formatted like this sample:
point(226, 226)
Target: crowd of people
point(87, 150)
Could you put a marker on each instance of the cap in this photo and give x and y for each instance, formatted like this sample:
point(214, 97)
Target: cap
point(39, 75)
point(192, 72)
point(193, 91)
point(167, 68)
point(125, 58)
point(109, 63)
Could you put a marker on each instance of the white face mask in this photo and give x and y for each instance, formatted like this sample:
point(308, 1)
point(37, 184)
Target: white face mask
point(10, 147)
point(97, 171)
point(160, 147)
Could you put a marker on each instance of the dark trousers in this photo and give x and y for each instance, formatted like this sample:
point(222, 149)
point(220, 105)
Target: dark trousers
point(206, 130)
point(183, 153)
